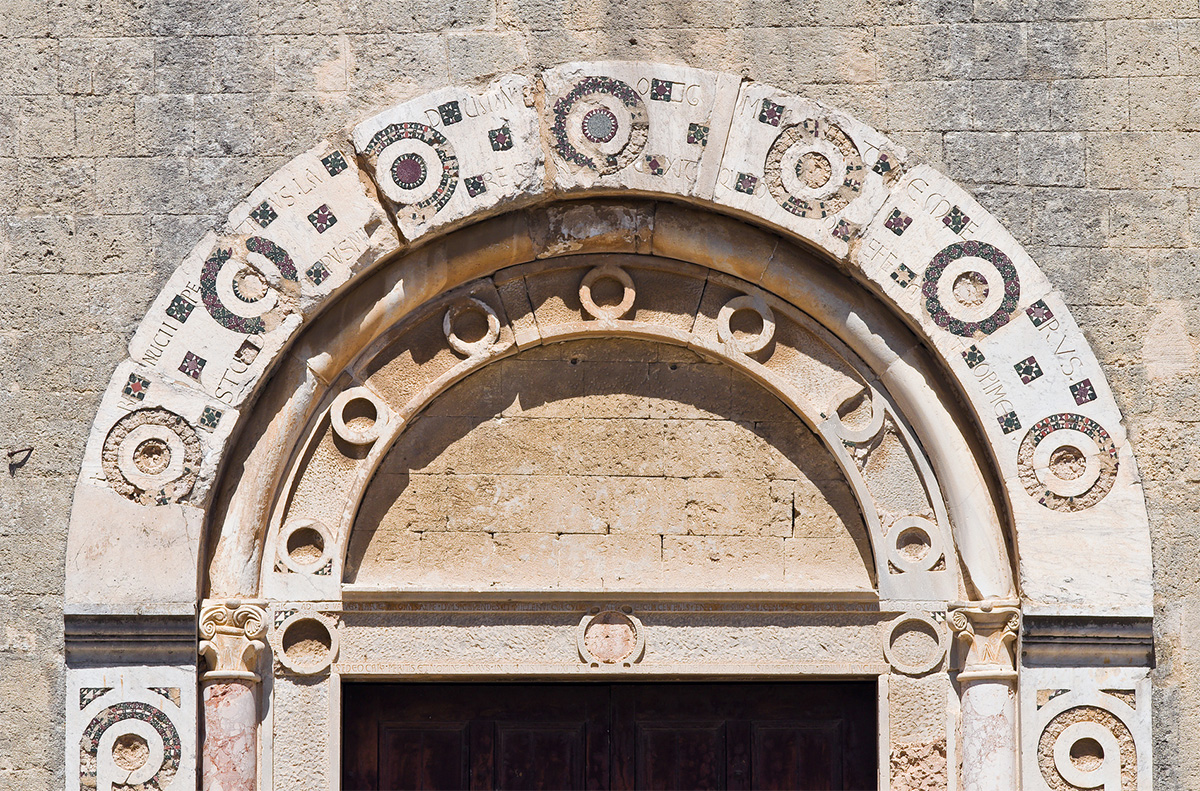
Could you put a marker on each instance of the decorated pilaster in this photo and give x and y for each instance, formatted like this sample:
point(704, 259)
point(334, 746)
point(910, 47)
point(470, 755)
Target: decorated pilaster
point(231, 641)
point(987, 685)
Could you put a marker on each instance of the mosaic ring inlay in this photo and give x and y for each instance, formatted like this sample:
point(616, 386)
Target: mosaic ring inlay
point(600, 124)
point(1104, 454)
point(1008, 303)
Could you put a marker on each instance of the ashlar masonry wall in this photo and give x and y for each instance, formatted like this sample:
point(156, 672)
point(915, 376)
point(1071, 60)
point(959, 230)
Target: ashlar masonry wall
point(128, 127)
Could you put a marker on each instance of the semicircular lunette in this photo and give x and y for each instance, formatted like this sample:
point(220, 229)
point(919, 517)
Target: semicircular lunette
point(679, 305)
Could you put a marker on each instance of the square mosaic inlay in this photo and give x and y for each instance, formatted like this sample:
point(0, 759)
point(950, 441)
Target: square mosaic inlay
point(656, 164)
point(842, 230)
point(322, 219)
point(746, 183)
point(450, 113)
point(335, 163)
point(318, 273)
point(1038, 313)
point(770, 113)
point(697, 135)
point(501, 138)
point(1028, 369)
point(883, 165)
point(903, 276)
point(898, 222)
point(264, 215)
point(136, 387)
point(955, 220)
point(210, 417)
point(1083, 392)
point(180, 308)
point(1009, 423)
point(972, 356)
point(660, 90)
point(192, 365)
point(475, 185)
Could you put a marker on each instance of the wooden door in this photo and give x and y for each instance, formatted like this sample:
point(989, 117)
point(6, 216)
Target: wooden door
point(600, 736)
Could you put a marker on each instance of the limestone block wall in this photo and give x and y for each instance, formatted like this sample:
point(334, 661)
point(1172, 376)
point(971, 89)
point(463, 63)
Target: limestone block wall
point(129, 128)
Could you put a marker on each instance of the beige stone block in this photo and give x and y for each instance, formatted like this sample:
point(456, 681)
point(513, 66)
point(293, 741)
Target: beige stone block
point(826, 563)
point(616, 390)
point(523, 560)
point(891, 475)
point(711, 448)
point(691, 390)
point(803, 166)
point(402, 502)
point(739, 507)
point(614, 447)
point(625, 561)
point(454, 153)
point(649, 127)
point(543, 388)
point(722, 562)
point(384, 557)
point(641, 505)
point(594, 226)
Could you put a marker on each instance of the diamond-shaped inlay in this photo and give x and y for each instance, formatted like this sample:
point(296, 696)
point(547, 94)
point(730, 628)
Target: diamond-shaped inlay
point(972, 356)
point(264, 215)
point(335, 163)
point(475, 185)
point(450, 113)
point(136, 387)
point(180, 308)
point(1009, 423)
point(842, 230)
point(697, 135)
point(883, 165)
point(210, 417)
point(898, 222)
point(192, 365)
point(322, 219)
point(318, 273)
point(770, 113)
point(1083, 392)
point(903, 276)
point(501, 138)
point(1038, 313)
point(660, 90)
point(746, 183)
point(88, 694)
point(1028, 369)
point(955, 220)
point(656, 164)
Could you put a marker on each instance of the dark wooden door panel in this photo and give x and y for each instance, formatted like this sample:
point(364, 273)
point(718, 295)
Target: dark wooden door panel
point(600, 736)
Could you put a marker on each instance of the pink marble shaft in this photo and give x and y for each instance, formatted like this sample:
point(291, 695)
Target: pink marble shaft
point(230, 730)
point(989, 748)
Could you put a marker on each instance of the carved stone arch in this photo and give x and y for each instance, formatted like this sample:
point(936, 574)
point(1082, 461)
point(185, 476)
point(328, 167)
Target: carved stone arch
point(965, 341)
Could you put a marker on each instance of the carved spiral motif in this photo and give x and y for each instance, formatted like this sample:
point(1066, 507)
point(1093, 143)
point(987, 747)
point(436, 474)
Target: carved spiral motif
point(814, 169)
point(971, 287)
point(416, 167)
point(151, 456)
point(959, 621)
point(237, 294)
point(162, 750)
point(1067, 461)
point(601, 124)
point(1087, 747)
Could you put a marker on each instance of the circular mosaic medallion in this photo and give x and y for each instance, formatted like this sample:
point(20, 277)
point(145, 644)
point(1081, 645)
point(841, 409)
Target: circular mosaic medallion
point(971, 288)
point(1087, 747)
point(235, 291)
point(139, 739)
point(420, 166)
point(600, 124)
point(1067, 461)
point(409, 171)
point(814, 169)
point(151, 456)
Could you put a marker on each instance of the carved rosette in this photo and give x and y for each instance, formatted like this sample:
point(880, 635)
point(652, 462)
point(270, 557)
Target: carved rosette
point(231, 639)
point(988, 634)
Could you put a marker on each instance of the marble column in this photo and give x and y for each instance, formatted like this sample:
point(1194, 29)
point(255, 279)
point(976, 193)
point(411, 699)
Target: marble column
point(987, 684)
point(231, 640)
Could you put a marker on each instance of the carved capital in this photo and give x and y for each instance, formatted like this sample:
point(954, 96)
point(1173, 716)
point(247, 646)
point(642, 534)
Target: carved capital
point(988, 634)
point(231, 635)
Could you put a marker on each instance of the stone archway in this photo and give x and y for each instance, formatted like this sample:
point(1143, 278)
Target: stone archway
point(957, 336)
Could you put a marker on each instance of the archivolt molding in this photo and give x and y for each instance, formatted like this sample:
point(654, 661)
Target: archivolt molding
point(808, 173)
point(548, 301)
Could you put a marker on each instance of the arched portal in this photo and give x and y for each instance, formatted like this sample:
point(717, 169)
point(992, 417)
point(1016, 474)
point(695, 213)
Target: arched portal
point(351, 426)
